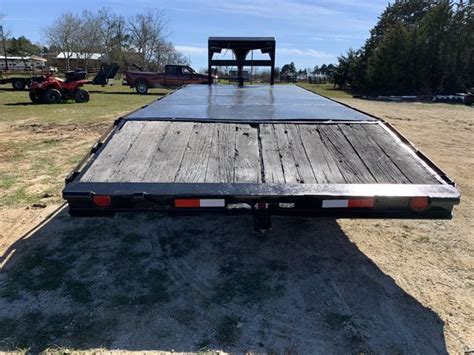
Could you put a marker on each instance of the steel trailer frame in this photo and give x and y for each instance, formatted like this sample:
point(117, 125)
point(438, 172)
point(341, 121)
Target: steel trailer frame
point(263, 199)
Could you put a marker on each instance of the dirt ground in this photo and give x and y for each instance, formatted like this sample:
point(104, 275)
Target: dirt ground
point(154, 283)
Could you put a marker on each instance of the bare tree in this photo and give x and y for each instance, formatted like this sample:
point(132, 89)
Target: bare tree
point(140, 39)
point(88, 36)
point(63, 34)
point(166, 53)
point(146, 30)
point(3, 37)
point(114, 34)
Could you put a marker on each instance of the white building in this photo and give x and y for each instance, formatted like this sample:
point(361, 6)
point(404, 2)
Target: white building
point(88, 61)
point(22, 63)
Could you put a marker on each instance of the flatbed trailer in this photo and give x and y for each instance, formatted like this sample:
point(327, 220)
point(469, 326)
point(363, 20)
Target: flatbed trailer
point(17, 82)
point(260, 150)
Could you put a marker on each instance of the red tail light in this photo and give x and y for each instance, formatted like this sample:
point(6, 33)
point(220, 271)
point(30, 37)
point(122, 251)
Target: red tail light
point(361, 203)
point(419, 203)
point(102, 201)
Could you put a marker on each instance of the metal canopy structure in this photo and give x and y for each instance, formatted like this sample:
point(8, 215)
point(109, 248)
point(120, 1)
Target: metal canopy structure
point(241, 47)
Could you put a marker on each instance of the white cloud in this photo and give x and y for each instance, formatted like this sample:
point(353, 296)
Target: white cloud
point(337, 37)
point(304, 53)
point(191, 50)
point(296, 52)
point(302, 13)
point(283, 9)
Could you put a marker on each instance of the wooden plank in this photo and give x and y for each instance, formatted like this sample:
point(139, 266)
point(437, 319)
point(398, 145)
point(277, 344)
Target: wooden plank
point(194, 164)
point(324, 166)
point(222, 156)
point(300, 158)
point(247, 166)
point(138, 158)
point(286, 156)
point(379, 164)
point(166, 160)
point(114, 152)
point(273, 169)
point(351, 166)
point(412, 169)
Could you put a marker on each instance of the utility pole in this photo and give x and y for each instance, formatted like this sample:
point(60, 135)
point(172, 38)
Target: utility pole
point(4, 47)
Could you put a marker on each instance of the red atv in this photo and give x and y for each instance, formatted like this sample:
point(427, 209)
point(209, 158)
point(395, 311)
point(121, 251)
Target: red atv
point(52, 90)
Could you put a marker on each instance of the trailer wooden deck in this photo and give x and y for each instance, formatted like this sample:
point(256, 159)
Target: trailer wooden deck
point(287, 153)
point(232, 149)
point(255, 134)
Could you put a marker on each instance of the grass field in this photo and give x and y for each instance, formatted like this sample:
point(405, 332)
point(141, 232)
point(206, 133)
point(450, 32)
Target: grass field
point(327, 90)
point(199, 284)
point(40, 143)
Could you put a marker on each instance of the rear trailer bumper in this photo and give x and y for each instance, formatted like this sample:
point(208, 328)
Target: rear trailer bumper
point(337, 200)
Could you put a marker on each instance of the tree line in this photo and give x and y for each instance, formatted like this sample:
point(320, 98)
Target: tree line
point(416, 47)
point(289, 72)
point(139, 40)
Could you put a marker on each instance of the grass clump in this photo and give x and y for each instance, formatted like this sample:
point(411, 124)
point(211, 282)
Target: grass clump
point(249, 286)
point(337, 321)
point(228, 330)
point(34, 272)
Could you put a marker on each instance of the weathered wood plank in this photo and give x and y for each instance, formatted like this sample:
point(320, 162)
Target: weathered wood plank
point(379, 164)
point(351, 166)
point(247, 166)
point(273, 169)
point(413, 170)
point(114, 152)
point(194, 164)
point(136, 160)
point(158, 151)
point(166, 160)
point(301, 160)
point(222, 156)
point(286, 155)
point(324, 166)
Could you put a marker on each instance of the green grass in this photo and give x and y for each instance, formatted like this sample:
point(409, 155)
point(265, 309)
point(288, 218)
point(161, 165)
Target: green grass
point(42, 143)
point(326, 90)
point(19, 196)
point(105, 102)
point(7, 180)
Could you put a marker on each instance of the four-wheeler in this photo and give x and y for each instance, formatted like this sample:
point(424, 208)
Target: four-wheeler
point(53, 90)
point(173, 77)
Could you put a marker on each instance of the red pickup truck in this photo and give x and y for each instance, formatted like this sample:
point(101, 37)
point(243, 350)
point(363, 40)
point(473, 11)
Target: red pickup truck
point(173, 77)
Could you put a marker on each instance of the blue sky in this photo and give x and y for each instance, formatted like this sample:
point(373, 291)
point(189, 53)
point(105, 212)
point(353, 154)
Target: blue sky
point(307, 32)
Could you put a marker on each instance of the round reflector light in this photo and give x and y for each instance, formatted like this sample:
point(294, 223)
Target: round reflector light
point(419, 203)
point(102, 200)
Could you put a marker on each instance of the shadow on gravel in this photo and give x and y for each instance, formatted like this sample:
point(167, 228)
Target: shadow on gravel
point(183, 284)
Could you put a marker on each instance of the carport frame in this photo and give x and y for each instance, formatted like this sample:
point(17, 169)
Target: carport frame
point(241, 46)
